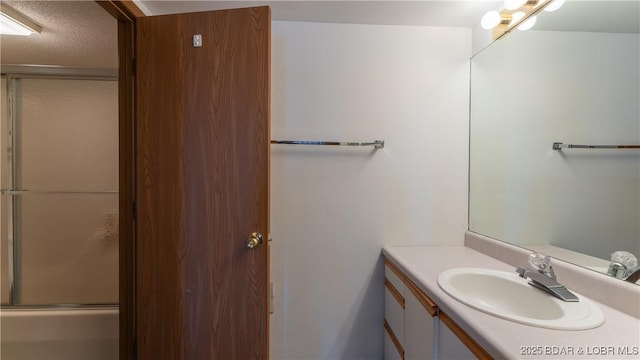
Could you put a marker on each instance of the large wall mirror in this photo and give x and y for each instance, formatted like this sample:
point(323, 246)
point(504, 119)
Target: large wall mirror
point(574, 78)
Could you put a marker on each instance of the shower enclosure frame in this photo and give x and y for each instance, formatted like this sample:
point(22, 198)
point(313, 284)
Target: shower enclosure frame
point(126, 13)
point(13, 75)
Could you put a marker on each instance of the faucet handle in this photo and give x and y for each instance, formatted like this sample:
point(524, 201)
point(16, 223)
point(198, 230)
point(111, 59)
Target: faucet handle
point(624, 258)
point(542, 263)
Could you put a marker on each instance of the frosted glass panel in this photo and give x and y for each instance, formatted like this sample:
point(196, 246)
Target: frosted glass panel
point(4, 138)
point(4, 248)
point(4, 291)
point(68, 249)
point(61, 211)
point(68, 135)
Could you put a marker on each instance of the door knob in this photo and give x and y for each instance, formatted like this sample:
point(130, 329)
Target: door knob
point(254, 241)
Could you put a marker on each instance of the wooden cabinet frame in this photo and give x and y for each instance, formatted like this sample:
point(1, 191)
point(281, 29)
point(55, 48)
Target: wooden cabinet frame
point(434, 311)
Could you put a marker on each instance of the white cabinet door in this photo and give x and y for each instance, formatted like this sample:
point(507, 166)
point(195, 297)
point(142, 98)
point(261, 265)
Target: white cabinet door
point(450, 346)
point(419, 330)
point(394, 315)
point(415, 329)
point(394, 292)
point(390, 350)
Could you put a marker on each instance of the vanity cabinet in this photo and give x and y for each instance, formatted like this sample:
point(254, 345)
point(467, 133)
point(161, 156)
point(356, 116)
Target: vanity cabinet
point(420, 325)
point(410, 321)
point(415, 328)
point(455, 343)
point(394, 307)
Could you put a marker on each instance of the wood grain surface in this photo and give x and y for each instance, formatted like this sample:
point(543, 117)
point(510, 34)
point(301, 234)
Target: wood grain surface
point(202, 185)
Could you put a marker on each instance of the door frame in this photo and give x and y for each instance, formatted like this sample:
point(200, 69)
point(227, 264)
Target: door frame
point(126, 13)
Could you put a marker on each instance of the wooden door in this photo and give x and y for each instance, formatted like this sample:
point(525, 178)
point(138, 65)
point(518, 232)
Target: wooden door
point(202, 185)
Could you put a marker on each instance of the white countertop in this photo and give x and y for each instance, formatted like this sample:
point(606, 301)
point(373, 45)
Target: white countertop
point(505, 339)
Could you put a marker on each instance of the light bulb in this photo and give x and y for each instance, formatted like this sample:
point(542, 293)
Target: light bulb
point(513, 4)
point(515, 17)
point(490, 20)
point(527, 24)
point(554, 5)
point(9, 26)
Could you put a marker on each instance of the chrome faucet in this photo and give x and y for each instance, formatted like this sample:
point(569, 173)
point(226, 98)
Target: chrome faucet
point(624, 265)
point(544, 278)
point(632, 275)
point(620, 271)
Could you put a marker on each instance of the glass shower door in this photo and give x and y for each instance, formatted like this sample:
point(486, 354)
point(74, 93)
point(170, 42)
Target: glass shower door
point(60, 191)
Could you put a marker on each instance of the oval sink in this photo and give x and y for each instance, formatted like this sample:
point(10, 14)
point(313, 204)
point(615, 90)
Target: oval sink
point(508, 296)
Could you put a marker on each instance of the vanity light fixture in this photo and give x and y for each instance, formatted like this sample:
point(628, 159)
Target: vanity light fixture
point(520, 14)
point(513, 4)
point(14, 23)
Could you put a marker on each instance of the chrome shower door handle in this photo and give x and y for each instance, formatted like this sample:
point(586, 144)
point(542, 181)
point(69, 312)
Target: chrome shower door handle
point(254, 241)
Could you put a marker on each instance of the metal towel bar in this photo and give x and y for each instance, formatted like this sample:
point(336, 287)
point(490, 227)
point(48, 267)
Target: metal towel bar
point(560, 146)
point(378, 144)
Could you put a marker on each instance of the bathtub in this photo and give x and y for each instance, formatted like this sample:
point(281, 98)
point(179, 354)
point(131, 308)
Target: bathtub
point(87, 334)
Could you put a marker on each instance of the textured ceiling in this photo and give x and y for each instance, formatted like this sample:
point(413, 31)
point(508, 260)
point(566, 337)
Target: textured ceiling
point(74, 33)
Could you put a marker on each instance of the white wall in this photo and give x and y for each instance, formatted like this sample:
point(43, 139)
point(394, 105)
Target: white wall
point(481, 38)
point(538, 87)
point(332, 209)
